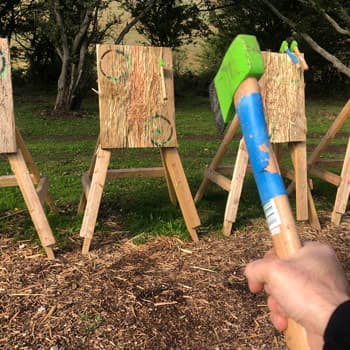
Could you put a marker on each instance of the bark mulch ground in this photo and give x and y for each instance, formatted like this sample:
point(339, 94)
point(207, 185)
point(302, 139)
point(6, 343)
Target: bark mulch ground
point(165, 294)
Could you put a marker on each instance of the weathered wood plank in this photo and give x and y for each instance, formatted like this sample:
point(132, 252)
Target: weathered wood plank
point(95, 193)
point(298, 153)
point(177, 176)
point(343, 191)
point(224, 146)
point(7, 120)
point(236, 188)
point(283, 93)
point(135, 111)
point(31, 199)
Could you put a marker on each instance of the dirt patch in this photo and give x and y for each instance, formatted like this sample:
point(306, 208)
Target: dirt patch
point(165, 294)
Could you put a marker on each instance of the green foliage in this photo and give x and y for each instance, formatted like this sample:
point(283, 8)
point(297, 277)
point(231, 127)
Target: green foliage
point(240, 17)
point(40, 53)
point(73, 15)
point(229, 18)
point(55, 39)
point(169, 23)
point(10, 17)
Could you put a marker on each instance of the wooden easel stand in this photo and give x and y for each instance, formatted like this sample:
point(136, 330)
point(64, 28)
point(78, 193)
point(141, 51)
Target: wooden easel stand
point(315, 166)
point(214, 173)
point(94, 181)
point(21, 162)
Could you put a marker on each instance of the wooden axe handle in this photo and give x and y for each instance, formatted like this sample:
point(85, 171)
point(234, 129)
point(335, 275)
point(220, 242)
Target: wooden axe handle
point(162, 76)
point(301, 59)
point(270, 185)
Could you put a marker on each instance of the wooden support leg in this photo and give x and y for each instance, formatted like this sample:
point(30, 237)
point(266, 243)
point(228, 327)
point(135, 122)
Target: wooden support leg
point(94, 198)
point(313, 217)
point(277, 150)
point(236, 188)
point(178, 178)
point(83, 198)
point(298, 154)
point(32, 201)
point(34, 170)
point(218, 157)
point(343, 191)
point(330, 134)
point(171, 190)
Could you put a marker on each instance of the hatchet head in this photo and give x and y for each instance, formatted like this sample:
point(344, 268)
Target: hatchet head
point(284, 46)
point(293, 45)
point(243, 59)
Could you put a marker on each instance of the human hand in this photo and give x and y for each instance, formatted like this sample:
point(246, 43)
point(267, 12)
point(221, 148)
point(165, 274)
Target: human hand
point(306, 287)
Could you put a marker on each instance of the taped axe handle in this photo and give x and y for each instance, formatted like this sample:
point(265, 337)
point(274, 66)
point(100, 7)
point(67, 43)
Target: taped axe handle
point(270, 185)
point(302, 61)
point(292, 57)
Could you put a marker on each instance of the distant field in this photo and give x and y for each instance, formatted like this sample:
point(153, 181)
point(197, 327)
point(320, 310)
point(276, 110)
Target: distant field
point(62, 149)
point(192, 51)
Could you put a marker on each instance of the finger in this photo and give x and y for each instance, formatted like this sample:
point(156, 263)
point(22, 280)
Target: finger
point(275, 307)
point(258, 274)
point(279, 322)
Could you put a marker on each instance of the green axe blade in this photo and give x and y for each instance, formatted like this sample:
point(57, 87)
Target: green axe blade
point(242, 60)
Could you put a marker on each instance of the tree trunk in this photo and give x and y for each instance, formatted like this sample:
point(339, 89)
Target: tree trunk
point(71, 83)
point(69, 86)
point(62, 98)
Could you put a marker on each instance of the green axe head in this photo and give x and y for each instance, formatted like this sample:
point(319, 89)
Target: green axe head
point(242, 60)
point(284, 46)
point(293, 45)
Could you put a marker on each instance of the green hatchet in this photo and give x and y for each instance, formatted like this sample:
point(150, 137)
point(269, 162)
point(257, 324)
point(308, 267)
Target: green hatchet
point(236, 89)
point(234, 68)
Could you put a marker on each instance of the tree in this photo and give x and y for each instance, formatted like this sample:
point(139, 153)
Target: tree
point(332, 16)
point(76, 25)
point(33, 41)
point(229, 18)
point(169, 23)
point(324, 25)
point(9, 13)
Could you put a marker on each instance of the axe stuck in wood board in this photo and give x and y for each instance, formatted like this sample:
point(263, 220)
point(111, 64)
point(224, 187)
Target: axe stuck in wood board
point(294, 48)
point(235, 89)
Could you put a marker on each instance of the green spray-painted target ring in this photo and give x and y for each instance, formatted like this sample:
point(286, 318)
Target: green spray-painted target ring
point(157, 137)
point(3, 67)
point(122, 78)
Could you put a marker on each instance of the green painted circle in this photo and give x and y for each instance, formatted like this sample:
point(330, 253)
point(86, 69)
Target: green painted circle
point(156, 132)
point(121, 78)
point(3, 67)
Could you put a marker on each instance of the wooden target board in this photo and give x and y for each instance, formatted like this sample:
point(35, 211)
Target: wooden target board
point(283, 93)
point(136, 97)
point(7, 120)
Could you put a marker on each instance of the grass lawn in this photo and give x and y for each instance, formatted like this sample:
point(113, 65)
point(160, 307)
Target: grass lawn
point(62, 148)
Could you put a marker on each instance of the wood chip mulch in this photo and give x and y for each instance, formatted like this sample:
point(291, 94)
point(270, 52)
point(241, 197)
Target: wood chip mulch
point(165, 294)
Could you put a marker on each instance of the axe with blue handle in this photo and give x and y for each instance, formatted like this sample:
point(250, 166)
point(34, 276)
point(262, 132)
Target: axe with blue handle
point(294, 48)
point(235, 89)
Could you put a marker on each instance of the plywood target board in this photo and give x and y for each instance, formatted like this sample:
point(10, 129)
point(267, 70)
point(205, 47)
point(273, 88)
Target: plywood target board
point(283, 93)
point(136, 96)
point(7, 120)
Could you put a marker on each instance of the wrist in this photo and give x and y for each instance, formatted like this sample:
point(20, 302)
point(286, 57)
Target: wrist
point(324, 312)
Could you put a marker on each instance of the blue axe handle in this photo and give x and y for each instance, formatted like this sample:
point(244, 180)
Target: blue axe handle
point(249, 107)
point(291, 55)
